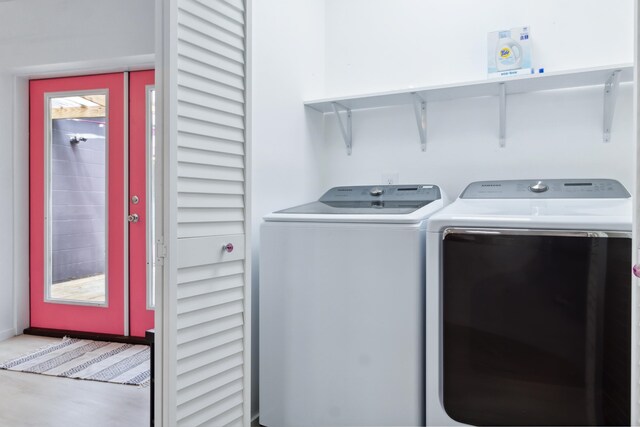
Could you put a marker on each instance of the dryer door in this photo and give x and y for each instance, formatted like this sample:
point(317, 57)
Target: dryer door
point(536, 327)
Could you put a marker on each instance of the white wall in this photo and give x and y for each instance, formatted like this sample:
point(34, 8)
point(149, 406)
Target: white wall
point(288, 66)
point(42, 32)
point(6, 214)
point(377, 45)
point(45, 38)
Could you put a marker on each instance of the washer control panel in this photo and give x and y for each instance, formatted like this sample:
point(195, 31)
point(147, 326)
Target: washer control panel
point(539, 187)
point(388, 193)
point(376, 191)
point(546, 189)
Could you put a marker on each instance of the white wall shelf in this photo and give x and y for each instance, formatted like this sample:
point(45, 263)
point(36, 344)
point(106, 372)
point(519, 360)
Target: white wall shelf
point(610, 77)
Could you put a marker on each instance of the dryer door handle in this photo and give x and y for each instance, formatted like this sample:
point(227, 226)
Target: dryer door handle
point(534, 232)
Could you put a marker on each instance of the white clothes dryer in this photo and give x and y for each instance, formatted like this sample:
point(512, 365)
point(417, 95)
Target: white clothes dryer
point(529, 305)
point(342, 308)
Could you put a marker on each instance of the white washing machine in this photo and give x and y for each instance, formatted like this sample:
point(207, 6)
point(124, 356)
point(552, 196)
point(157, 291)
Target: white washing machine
point(342, 308)
point(529, 305)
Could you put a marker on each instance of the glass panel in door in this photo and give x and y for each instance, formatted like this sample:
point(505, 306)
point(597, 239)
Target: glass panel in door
point(76, 212)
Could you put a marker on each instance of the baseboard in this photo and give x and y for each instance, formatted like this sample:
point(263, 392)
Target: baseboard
point(57, 333)
point(9, 333)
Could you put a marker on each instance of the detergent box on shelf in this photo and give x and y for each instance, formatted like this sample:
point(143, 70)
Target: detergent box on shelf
point(509, 53)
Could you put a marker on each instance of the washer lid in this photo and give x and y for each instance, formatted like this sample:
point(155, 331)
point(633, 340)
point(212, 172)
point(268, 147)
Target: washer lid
point(370, 200)
point(546, 189)
point(376, 207)
point(367, 204)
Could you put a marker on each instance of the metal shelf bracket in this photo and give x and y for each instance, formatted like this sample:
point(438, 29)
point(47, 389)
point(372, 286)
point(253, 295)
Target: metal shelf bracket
point(345, 129)
point(420, 109)
point(502, 131)
point(610, 97)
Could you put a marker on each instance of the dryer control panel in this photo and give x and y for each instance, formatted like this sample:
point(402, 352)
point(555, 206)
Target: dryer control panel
point(546, 189)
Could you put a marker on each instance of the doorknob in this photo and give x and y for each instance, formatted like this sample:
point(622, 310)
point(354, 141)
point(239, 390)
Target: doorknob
point(636, 270)
point(133, 218)
point(228, 247)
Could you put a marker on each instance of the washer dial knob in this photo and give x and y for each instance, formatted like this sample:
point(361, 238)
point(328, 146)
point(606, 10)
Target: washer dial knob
point(539, 187)
point(376, 191)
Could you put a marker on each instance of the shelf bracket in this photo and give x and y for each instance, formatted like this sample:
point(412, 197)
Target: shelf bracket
point(345, 129)
point(610, 97)
point(502, 131)
point(420, 109)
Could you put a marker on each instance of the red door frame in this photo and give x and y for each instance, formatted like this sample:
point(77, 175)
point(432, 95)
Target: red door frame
point(108, 319)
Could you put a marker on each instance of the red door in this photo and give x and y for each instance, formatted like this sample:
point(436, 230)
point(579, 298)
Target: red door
point(82, 275)
point(141, 241)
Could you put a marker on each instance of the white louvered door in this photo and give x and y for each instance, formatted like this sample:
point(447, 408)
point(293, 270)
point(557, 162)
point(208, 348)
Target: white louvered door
point(206, 344)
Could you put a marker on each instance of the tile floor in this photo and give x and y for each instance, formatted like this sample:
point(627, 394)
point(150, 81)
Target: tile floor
point(28, 400)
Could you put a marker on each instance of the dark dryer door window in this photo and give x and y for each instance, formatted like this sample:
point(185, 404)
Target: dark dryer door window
point(536, 327)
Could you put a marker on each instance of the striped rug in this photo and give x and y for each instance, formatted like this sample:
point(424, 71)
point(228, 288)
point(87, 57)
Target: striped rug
point(88, 360)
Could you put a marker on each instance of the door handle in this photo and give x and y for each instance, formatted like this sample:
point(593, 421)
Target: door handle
point(133, 218)
point(636, 270)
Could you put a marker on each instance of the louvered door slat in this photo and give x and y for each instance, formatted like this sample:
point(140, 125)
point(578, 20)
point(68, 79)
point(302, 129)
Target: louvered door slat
point(195, 126)
point(210, 271)
point(199, 112)
point(213, 145)
point(210, 342)
point(196, 23)
point(209, 186)
point(238, 4)
point(208, 157)
point(229, 306)
point(213, 172)
point(214, 16)
point(197, 361)
point(193, 378)
point(203, 287)
point(207, 86)
point(231, 418)
point(214, 102)
point(215, 69)
point(186, 230)
point(212, 299)
point(202, 330)
point(200, 215)
point(213, 406)
point(196, 39)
